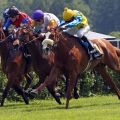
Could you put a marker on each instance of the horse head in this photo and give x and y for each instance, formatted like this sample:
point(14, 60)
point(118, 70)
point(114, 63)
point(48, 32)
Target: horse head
point(52, 41)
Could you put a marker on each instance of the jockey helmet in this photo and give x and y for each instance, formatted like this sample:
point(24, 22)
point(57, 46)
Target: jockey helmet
point(13, 11)
point(68, 14)
point(37, 15)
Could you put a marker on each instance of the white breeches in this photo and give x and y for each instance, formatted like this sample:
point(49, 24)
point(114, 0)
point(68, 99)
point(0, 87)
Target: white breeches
point(79, 32)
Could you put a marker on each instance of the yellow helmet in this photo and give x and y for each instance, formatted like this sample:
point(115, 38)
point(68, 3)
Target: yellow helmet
point(68, 14)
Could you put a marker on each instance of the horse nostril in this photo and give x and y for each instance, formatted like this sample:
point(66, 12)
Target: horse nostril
point(47, 49)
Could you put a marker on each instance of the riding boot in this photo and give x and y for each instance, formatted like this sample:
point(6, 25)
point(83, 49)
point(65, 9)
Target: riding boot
point(90, 47)
point(94, 53)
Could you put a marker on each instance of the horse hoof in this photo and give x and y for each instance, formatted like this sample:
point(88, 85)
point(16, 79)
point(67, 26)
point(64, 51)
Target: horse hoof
point(76, 96)
point(58, 98)
point(26, 100)
point(58, 95)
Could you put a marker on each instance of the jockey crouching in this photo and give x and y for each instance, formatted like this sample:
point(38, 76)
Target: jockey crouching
point(74, 22)
point(15, 17)
point(46, 21)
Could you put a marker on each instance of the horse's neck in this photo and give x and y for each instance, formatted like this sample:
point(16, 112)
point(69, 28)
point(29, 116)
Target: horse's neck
point(35, 51)
point(4, 52)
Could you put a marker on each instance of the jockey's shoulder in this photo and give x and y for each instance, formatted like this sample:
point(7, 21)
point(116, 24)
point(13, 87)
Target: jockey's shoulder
point(23, 14)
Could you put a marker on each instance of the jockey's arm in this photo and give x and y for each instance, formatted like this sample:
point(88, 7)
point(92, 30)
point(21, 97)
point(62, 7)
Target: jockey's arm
point(25, 21)
point(75, 22)
point(7, 24)
point(62, 23)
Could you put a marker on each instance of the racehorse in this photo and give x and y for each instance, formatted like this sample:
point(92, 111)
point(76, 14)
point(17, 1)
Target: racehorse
point(71, 56)
point(14, 66)
point(41, 66)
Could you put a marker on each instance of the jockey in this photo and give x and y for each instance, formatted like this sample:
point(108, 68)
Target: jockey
point(15, 17)
point(74, 22)
point(46, 21)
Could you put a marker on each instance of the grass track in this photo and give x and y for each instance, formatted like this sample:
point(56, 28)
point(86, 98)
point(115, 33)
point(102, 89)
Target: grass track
point(92, 108)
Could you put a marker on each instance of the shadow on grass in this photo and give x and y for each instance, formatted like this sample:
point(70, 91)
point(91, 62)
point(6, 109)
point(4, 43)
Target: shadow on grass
point(46, 106)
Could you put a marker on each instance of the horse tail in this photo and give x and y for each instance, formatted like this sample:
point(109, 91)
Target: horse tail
point(117, 51)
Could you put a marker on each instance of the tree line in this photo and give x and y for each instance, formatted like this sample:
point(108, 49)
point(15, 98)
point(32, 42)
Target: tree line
point(103, 15)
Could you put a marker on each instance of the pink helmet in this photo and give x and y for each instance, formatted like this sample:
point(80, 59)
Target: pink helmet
point(37, 15)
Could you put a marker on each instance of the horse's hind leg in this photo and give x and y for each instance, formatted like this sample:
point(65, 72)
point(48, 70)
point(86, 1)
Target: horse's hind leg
point(109, 80)
point(29, 79)
point(5, 93)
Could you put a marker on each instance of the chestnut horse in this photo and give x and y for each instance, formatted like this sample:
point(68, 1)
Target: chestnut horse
point(73, 58)
point(14, 66)
point(42, 66)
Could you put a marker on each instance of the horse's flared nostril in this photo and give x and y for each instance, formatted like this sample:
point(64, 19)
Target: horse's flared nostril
point(47, 49)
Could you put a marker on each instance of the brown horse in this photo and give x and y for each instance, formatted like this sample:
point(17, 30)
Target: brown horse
point(70, 56)
point(41, 66)
point(14, 66)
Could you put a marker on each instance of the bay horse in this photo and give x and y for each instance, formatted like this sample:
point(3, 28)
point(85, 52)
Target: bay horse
point(42, 66)
point(73, 58)
point(14, 67)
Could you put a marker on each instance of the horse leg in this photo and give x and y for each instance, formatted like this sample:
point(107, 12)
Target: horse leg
point(20, 91)
point(29, 79)
point(5, 92)
point(55, 72)
point(109, 80)
point(51, 89)
point(75, 92)
point(53, 92)
point(71, 84)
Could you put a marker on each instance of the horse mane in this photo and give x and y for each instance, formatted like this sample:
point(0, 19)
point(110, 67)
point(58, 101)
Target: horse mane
point(67, 35)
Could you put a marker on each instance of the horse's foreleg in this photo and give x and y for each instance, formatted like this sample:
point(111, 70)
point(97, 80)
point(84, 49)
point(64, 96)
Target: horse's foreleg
point(5, 93)
point(109, 80)
point(29, 79)
point(20, 91)
point(50, 79)
point(51, 89)
point(71, 84)
point(75, 92)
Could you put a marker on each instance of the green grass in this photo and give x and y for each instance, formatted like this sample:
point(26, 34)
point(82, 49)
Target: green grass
point(92, 108)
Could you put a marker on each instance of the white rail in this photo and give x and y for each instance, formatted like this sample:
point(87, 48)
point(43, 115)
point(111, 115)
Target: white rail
point(116, 42)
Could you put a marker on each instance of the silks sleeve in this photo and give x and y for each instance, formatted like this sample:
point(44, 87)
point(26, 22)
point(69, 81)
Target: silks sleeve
point(25, 21)
point(75, 22)
point(7, 24)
